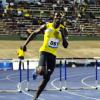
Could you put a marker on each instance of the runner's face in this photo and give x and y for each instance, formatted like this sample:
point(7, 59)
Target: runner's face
point(57, 22)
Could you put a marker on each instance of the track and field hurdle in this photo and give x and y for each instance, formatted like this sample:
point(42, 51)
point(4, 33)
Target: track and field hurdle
point(65, 77)
point(7, 67)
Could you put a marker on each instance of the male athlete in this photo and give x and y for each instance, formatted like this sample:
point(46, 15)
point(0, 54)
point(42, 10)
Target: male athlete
point(53, 33)
point(20, 54)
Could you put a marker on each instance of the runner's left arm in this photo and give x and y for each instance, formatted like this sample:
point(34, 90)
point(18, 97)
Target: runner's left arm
point(64, 34)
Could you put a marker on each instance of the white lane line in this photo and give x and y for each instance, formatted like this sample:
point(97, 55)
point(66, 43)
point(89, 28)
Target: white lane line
point(72, 93)
point(29, 93)
point(85, 78)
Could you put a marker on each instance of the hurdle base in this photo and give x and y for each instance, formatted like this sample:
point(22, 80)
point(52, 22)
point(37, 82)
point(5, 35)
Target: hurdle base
point(9, 91)
point(45, 90)
point(80, 88)
point(96, 88)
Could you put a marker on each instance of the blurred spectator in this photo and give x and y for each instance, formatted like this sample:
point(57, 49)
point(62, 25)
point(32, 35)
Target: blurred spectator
point(51, 17)
point(19, 12)
point(92, 1)
point(40, 21)
point(1, 9)
point(11, 5)
point(54, 6)
point(98, 2)
point(20, 54)
point(35, 21)
point(20, 24)
point(26, 14)
point(4, 3)
point(66, 1)
point(43, 1)
point(83, 9)
point(1, 5)
point(51, 1)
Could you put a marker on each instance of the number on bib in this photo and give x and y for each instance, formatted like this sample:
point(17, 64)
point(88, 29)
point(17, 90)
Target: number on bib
point(53, 43)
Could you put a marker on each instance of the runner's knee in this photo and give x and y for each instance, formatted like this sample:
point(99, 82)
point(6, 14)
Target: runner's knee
point(40, 70)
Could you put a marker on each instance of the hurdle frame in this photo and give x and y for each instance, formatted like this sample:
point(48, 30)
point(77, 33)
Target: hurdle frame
point(82, 88)
point(27, 87)
point(18, 87)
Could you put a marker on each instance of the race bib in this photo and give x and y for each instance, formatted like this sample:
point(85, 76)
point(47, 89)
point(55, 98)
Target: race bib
point(53, 43)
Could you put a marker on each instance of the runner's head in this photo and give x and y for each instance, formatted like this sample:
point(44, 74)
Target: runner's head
point(57, 19)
